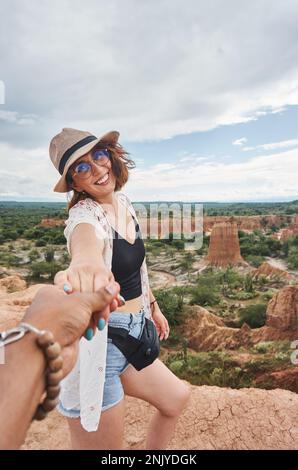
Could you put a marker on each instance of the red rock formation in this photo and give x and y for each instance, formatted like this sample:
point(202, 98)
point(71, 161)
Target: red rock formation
point(286, 233)
point(224, 248)
point(271, 272)
point(51, 222)
point(12, 284)
point(13, 306)
point(253, 222)
point(286, 379)
point(282, 311)
point(207, 332)
point(245, 223)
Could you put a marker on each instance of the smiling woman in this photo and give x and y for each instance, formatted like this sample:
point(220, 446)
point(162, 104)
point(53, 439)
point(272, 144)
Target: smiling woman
point(109, 365)
point(83, 173)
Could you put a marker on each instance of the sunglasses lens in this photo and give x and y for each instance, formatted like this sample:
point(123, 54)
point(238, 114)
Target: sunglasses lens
point(101, 155)
point(82, 168)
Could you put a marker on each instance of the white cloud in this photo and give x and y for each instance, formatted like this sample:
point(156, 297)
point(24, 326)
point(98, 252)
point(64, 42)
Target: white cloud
point(27, 173)
point(273, 145)
point(260, 178)
point(121, 65)
point(30, 173)
point(193, 158)
point(12, 117)
point(240, 142)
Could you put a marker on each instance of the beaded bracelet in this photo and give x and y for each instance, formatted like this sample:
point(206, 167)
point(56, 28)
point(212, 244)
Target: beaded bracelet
point(151, 303)
point(54, 373)
point(52, 353)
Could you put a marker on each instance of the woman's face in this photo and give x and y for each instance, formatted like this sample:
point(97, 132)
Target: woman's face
point(98, 182)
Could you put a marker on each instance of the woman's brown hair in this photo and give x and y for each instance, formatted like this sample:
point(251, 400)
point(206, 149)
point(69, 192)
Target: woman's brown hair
point(121, 163)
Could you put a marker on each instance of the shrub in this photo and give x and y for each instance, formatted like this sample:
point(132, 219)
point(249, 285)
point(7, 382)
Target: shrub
point(41, 242)
point(11, 235)
point(59, 239)
point(293, 258)
point(248, 283)
point(230, 277)
point(294, 241)
point(171, 302)
point(263, 346)
point(186, 262)
point(253, 315)
point(267, 295)
point(176, 366)
point(209, 368)
point(7, 259)
point(203, 295)
point(179, 244)
point(241, 295)
point(33, 255)
point(45, 269)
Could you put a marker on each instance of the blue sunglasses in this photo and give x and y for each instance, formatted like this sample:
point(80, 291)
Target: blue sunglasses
point(84, 169)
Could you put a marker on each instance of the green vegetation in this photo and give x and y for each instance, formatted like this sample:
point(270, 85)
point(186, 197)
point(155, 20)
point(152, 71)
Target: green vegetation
point(171, 302)
point(208, 368)
point(252, 208)
point(258, 245)
point(219, 369)
point(253, 315)
point(204, 296)
point(230, 293)
point(45, 269)
point(21, 220)
point(223, 369)
point(292, 252)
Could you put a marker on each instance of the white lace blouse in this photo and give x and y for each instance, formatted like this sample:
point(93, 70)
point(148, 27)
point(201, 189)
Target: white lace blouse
point(82, 388)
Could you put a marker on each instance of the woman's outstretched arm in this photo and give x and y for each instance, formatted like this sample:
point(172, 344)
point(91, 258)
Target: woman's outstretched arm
point(87, 271)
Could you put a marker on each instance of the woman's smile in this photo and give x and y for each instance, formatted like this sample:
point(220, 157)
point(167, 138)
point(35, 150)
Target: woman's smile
point(103, 180)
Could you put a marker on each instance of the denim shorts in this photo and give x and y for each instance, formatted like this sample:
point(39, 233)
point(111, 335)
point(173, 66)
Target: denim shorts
point(116, 362)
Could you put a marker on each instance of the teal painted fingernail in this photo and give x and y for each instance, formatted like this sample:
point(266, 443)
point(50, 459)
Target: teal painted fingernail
point(66, 288)
point(101, 324)
point(89, 334)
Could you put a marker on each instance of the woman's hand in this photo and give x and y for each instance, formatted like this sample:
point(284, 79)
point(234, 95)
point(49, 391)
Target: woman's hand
point(87, 276)
point(161, 323)
point(83, 276)
point(67, 316)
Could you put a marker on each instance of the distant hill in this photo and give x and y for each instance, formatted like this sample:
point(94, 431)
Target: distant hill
point(210, 208)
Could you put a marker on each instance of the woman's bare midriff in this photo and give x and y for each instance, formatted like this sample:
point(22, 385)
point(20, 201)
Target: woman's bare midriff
point(131, 306)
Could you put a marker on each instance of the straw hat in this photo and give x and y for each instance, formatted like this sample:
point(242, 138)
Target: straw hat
point(71, 144)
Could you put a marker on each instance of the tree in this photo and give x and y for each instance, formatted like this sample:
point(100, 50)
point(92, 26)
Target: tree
point(248, 283)
point(49, 255)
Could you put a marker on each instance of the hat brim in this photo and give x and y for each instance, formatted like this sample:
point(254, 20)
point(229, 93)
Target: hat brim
point(112, 137)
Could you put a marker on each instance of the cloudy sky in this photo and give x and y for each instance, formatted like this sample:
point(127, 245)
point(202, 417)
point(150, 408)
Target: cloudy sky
point(204, 94)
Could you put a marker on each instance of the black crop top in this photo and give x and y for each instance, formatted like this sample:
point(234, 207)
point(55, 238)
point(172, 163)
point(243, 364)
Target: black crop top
point(126, 263)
